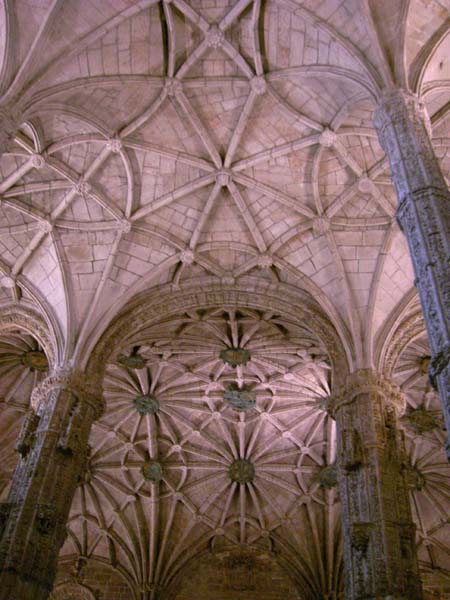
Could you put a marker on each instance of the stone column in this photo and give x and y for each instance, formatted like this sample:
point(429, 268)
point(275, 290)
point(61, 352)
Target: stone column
point(379, 535)
point(424, 216)
point(53, 446)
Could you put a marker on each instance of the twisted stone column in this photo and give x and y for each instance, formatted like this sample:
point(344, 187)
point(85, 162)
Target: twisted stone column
point(379, 535)
point(424, 216)
point(53, 446)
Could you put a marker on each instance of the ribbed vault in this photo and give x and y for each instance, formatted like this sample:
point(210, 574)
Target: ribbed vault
point(169, 149)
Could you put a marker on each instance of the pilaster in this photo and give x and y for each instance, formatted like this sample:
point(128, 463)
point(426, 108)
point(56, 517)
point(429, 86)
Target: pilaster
point(424, 216)
point(379, 534)
point(53, 446)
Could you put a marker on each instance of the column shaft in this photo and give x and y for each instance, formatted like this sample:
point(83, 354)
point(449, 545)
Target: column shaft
point(379, 534)
point(53, 447)
point(424, 216)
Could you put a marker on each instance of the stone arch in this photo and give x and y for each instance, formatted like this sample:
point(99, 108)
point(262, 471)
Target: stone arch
point(72, 591)
point(20, 317)
point(296, 304)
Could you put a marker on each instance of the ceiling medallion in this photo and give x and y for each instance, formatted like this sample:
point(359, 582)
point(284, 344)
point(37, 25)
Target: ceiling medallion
point(35, 360)
point(241, 400)
point(241, 471)
point(153, 471)
point(133, 361)
point(415, 479)
point(421, 420)
point(146, 404)
point(235, 356)
point(424, 364)
point(327, 477)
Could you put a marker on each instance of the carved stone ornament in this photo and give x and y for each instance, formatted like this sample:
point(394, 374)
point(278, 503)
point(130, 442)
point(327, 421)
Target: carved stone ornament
point(328, 477)
point(241, 400)
point(414, 477)
point(146, 404)
point(366, 381)
point(17, 316)
point(421, 420)
point(360, 536)
point(235, 356)
point(241, 471)
point(46, 518)
point(153, 471)
point(69, 380)
point(133, 361)
point(26, 436)
point(35, 360)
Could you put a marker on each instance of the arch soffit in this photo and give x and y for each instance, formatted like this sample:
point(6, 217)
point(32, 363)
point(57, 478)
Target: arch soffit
point(144, 311)
point(405, 326)
point(72, 591)
point(22, 317)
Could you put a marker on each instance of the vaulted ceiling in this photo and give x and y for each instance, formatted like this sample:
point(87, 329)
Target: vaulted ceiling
point(173, 146)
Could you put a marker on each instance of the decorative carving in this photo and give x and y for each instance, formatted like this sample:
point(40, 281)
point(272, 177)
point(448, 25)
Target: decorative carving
point(327, 138)
point(241, 471)
point(371, 458)
point(321, 225)
point(187, 257)
point(223, 177)
point(438, 363)
point(404, 131)
point(328, 477)
point(69, 380)
point(146, 404)
point(258, 85)
point(153, 471)
point(115, 145)
point(133, 361)
point(172, 86)
point(30, 321)
point(366, 381)
point(352, 453)
point(46, 518)
point(361, 536)
point(214, 37)
point(235, 356)
point(38, 161)
point(421, 420)
point(241, 400)
point(35, 360)
point(414, 477)
point(26, 436)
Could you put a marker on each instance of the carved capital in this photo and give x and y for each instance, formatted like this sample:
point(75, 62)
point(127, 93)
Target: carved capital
point(366, 381)
point(399, 104)
point(73, 381)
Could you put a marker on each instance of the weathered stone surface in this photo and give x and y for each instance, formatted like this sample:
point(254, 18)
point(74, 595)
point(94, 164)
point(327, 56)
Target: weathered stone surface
point(379, 534)
point(424, 216)
point(53, 446)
